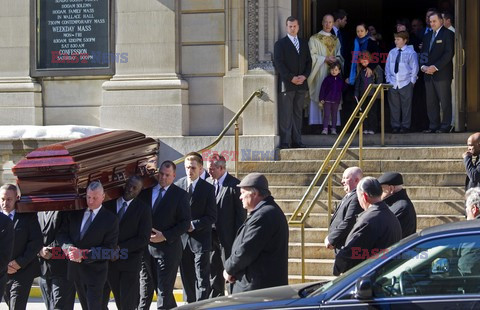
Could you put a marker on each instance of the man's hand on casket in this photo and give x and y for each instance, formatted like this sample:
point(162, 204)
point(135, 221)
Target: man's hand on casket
point(13, 267)
point(156, 236)
point(45, 252)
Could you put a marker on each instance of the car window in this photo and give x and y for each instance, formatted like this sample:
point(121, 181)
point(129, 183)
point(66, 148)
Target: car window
point(444, 266)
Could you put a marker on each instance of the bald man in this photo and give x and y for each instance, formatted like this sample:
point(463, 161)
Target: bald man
point(472, 168)
point(346, 213)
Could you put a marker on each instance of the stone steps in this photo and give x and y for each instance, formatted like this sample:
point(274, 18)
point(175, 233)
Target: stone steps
point(409, 178)
point(422, 207)
point(369, 166)
point(414, 192)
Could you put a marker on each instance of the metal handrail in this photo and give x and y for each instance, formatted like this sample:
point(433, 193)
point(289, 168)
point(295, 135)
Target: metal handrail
point(258, 93)
point(298, 217)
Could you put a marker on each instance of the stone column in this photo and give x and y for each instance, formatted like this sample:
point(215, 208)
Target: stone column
point(146, 93)
point(20, 96)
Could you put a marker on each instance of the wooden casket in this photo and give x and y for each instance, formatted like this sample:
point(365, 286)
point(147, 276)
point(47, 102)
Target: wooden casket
point(55, 177)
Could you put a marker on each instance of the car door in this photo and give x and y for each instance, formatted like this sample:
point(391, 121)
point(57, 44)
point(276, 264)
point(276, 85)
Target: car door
point(440, 272)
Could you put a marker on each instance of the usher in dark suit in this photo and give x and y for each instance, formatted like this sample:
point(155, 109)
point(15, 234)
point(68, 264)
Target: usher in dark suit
point(259, 256)
point(27, 243)
point(195, 264)
point(58, 292)
point(290, 63)
point(230, 216)
point(135, 227)
point(437, 86)
point(90, 275)
point(171, 216)
point(343, 220)
point(6, 248)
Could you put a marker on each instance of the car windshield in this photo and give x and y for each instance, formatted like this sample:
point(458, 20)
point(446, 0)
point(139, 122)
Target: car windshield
point(338, 279)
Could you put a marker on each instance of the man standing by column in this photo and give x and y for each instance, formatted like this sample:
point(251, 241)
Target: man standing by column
point(23, 265)
point(230, 216)
point(197, 242)
point(436, 62)
point(293, 64)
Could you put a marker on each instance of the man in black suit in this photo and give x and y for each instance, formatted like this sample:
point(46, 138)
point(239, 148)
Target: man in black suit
point(436, 62)
point(197, 242)
point(376, 228)
point(293, 64)
point(89, 239)
point(472, 167)
point(6, 246)
point(230, 216)
point(259, 257)
point(469, 252)
point(135, 225)
point(171, 219)
point(396, 197)
point(346, 213)
point(58, 292)
point(23, 264)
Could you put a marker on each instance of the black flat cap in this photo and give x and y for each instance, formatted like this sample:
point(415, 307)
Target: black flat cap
point(391, 178)
point(256, 180)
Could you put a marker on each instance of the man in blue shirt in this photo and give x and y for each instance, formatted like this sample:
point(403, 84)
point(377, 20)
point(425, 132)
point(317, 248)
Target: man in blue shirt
point(401, 71)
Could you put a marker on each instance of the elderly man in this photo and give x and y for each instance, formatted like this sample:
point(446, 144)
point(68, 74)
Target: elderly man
point(472, 168)
point(89, 238)
point(346, 213)
point(259, 256)
point(23, 264)
point(376, 228)
point(230, 216)
point(395, 196)
point(469, 253)
point(325, 50)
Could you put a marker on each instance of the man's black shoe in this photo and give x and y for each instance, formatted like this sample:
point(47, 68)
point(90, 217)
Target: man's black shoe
point(429, 130)
point(404, 130)
point(284, 146)
point(299, 146)
point(395, 130)
point(443, 130)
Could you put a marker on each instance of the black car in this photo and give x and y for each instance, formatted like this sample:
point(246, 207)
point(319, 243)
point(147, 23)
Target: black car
point(437, 268)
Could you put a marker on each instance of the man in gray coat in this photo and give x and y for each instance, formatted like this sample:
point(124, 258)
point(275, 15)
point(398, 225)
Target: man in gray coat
point(259, 256)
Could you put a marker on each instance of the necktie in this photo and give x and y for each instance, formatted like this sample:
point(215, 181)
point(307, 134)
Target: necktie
point(87, 224)
point(122, 210)
point(397, 61)
point(434, 34)
point(215, 183)
point(11, 216)
point(190, 189)
point(297, 45)
point(45, 217)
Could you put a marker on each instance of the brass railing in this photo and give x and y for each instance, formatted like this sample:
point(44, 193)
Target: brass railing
point(258, 93)
point(300, 216)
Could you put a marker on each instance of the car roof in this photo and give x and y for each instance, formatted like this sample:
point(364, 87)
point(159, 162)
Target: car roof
point(473, 225)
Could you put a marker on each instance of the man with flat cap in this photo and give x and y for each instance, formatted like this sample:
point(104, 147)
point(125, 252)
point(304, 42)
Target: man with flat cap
point(395, 196)
point(259, 256)
point(376, 228)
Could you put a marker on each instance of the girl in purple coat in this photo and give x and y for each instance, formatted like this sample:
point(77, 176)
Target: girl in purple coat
point(330, 96)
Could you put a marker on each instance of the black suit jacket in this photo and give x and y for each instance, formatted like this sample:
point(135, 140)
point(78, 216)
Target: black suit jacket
point(473, 172)
point(401, 205)
point(27, 244)
point(6, 243)
point(204, 213)
point(440, 55)
point(343, 219)
point(289, 63)
point(50, 229)
point(230, 212)
point(376, 229)
point(171, 216)
point(259, 256)
point(134, 232)
point(101, 235)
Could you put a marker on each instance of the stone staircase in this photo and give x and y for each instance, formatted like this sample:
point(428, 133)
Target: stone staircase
point(434, 178)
